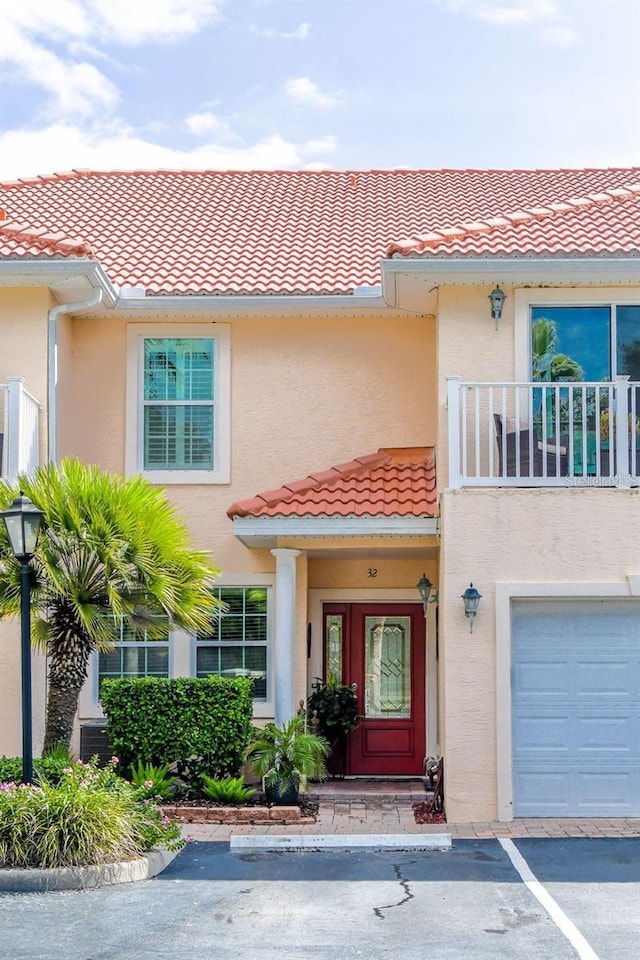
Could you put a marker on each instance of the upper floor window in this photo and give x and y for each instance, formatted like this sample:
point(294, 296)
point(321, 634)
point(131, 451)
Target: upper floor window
point(590, 343)
point(178, 412)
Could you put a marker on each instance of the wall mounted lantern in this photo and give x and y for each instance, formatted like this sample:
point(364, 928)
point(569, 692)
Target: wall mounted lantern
point(22, 521)
point(424, 586)
point(471, 598)
point(497, 298)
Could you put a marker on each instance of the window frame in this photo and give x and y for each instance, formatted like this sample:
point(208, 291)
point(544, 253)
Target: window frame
point(220, 333)
point(526, 299)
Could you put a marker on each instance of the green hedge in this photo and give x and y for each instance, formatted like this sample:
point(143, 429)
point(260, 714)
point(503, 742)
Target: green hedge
point(48, 768)
point(195, 725)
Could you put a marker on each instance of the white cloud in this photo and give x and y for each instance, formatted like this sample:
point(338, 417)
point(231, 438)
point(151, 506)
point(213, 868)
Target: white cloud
point(75, 86)
point(207, 124)
point(327, 145)
point(64, 146)
point(305, 91)
point(507, 11)
point(540, 13)
point(140, 21)
point(559, 36)
point(300, 33)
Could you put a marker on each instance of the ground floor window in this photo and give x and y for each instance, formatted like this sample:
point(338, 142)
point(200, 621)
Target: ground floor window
point(134, 655)
point(237, 645)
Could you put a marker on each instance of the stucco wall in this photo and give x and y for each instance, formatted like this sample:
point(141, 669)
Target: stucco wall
point(470, 347)
point(23, 353)
point(306, 394)
point(541, 536)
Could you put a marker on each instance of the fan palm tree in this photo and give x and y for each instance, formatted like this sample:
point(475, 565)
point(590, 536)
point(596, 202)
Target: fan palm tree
point(111, 548)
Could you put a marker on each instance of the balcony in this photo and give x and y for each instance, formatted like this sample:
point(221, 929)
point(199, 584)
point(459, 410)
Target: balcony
point(19, 430)
point(544, 434)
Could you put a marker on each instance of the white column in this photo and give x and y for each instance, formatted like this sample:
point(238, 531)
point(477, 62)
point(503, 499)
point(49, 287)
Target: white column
point(285, 617)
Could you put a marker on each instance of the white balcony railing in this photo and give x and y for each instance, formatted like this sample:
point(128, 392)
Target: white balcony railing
point(544, 434)
point(19, 430)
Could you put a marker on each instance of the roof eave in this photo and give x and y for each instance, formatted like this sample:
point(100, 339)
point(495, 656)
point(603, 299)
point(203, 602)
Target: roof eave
point(243, 304)
point(264, 532)
point(70, 278)
point(454, 271)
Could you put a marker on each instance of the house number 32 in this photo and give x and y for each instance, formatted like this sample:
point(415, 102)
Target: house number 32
point(373, 572)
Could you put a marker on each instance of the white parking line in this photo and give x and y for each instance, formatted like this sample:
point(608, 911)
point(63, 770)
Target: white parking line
point(559, 917)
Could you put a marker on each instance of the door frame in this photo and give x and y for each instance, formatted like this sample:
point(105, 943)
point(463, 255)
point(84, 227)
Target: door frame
point(316, 599)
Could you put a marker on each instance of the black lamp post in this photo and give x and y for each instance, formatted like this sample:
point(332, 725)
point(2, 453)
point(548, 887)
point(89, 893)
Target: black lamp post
point(22, 520)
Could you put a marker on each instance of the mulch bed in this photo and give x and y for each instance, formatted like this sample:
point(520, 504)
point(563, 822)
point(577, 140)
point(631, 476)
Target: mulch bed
point(422, 814)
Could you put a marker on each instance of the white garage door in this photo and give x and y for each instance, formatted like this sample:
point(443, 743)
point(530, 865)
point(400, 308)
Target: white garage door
point(576, 708)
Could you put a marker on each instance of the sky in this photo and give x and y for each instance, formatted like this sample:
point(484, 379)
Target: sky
point(317, 84)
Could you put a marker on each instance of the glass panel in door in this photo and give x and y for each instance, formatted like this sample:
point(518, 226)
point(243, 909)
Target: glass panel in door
point(387, 669)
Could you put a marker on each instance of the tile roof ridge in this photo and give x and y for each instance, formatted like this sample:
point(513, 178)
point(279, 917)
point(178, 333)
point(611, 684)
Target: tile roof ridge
point(44, 238)
point(422, 242)
point(90, 173)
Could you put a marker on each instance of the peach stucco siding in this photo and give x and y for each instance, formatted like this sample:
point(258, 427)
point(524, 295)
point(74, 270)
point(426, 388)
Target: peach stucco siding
point(542, 536)
point(23, 353)
point(470, 347)
point(306, 394)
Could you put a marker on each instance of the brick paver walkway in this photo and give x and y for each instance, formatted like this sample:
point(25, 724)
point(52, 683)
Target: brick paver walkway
point(373, 807)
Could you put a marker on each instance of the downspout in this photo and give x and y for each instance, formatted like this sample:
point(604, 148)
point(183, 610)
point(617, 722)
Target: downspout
point(52, 366)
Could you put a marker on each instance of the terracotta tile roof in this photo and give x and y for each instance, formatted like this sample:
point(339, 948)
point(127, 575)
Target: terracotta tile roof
point(607, 222)
point(394, 482)
point(19, 240)
point(276, 232)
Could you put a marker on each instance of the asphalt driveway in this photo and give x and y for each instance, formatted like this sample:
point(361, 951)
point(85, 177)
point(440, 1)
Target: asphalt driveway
point(466, 904)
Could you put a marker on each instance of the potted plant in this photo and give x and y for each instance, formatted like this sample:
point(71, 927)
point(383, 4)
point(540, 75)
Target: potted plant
point(332, 710)
point(285, 758)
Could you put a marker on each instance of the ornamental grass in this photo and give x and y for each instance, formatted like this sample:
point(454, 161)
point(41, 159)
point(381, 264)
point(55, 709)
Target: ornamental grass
point(90, 817)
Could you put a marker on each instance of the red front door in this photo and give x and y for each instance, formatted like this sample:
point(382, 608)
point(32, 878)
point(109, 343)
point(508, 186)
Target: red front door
point(383, 653)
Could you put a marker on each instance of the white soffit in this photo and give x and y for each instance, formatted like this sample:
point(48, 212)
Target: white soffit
point(265, 531)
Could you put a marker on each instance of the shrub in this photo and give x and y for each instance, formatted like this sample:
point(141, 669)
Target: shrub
point(287, 756)
point(90, 817)
point(229, 790)
point(332, 708)
point(152, 781)
point(197, 725)
point(47, 768)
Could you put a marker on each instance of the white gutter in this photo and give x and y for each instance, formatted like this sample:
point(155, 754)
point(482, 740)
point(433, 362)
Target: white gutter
point(534, 270)
point(52, 364)
point(238, 305)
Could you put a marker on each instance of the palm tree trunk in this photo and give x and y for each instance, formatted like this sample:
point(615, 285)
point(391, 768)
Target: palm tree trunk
point(62, 705)
point(69, 653)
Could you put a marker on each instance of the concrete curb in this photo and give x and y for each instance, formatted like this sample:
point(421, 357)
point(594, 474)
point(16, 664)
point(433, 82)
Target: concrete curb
point(371, 842)
point(17, 880)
